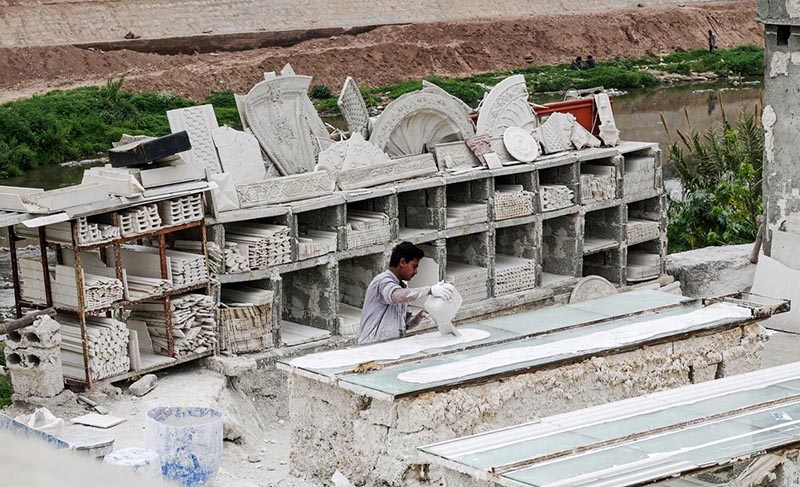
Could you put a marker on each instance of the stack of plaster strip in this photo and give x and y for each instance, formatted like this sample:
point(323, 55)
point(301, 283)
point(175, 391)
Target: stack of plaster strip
point(136, 286)
point(182, 210)
point(640, 174)
point(88, 233)
point(512, 201)
point(107, 341)
point(461, 214)
point(313, 243)
point(186, 268)
point(513, 274)
point(265, 245)
point(366, 228)
point(193, 324)
point(249, 328)
point(598, 182)
point(349, 319)
point(141, 219)
point(471, 281)
point(99, 291)
point(642, 266)
point(642, 230)
point(555, 196)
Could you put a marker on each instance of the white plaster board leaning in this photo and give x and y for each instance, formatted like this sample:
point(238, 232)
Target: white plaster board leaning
point(276, 112)
point(239, 99)
point(505, 106)
point(167, 175)
point(418, 120)
point(392, 170)
point(785, 249)
point(286, 188)
point(353, 107)
point(582, 138)
point(608, 127)
point(224, 197)
point(240, 155)
point(776, 280)
point(198, 122)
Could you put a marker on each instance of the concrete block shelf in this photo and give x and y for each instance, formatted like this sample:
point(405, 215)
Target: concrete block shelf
point(502, 252)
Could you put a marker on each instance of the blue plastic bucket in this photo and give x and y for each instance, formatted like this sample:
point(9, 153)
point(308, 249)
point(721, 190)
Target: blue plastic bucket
point(189, 442)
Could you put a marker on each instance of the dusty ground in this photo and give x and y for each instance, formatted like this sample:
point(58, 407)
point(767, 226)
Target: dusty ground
point(391, 54)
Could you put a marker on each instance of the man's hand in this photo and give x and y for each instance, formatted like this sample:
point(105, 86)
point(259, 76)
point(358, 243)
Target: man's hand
point(442, 290)
point(417, 319)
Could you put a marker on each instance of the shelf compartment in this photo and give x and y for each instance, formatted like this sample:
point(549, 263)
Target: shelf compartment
point(645, 261)
point(329, 219)
point(355, 275)
point(561, 256)
point(468, 261)
point(514, 195)
point(607, 264)
point(558, 187)
point(309, 296)
point(599, 180)
point(602, 229)
point(468, 202)
point(646, 220)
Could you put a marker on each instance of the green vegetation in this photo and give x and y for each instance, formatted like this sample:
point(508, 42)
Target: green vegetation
point(81, 123)
point(65, 125)
point(5, 385)
point(720, 173)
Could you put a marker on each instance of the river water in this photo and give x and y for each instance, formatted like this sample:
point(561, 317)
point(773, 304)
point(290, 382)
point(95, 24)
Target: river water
point(638, 116)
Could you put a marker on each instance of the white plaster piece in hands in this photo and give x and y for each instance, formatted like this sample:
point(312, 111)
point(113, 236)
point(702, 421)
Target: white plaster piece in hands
point(442, 311)
point(520, 144)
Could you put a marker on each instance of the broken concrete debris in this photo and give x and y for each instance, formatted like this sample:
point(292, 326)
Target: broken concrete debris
point(33, 359)
point(144, 385)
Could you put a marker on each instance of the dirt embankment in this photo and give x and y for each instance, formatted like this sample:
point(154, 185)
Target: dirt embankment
point(391, 54)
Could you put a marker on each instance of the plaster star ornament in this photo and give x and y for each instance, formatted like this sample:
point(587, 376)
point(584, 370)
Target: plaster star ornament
point(505, 106)
point(520, 144)
point(608, 128)
point(418, 120)
point(276, 110)
point(353, 107)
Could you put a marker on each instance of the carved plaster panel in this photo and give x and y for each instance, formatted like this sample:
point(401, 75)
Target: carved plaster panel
point(353, 153)
point(198, 122)
point(582, 138)
point(556, 132)
point(418, 120)
point(505, 106)
point(352, 105)
point(284, 189)
point(499, 148)
point(480, 145)
point(386, 172)
point(429, 87)
point(453, 156)
point(277, 113)
point(608, 127)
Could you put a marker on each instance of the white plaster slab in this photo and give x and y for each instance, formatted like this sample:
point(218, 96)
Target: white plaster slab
point(276, 110)
point(59, 199)
point(239, 99)
point(353, 107)
point(505, 106)
point(198, 122)
point(115, 181)
point(776, 280)
point(145, 342)
point(11, 197)
point(427, 275)
point(602, 340)
point(520, 144)
point(556, 132)
point(492, 160)
point(418, 120)
point(354, 153)
point(582, 138)
point(786, 249)
point(224, 197)
point(103, 421)
point(389, 350)
point(286, 188)
point(168, 175)
point(239, 155)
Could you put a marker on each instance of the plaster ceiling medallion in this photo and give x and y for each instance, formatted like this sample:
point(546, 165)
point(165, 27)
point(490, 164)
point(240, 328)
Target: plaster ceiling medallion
point(520, 144)
point(417, 121)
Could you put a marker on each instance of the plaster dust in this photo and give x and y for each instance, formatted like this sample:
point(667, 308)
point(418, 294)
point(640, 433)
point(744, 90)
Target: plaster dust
point(609, 339)
point(389, 54)
point(254, 407)
point(391, 350)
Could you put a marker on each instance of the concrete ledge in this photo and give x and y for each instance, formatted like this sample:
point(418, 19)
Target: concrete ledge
point(713, 271)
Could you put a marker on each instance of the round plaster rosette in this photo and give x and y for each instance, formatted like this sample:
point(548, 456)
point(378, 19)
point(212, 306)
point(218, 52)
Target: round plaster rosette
point(520, 144)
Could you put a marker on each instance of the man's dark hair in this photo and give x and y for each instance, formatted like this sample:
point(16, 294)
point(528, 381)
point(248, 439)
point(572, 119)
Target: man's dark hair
point(590, 57)
point(407, 251)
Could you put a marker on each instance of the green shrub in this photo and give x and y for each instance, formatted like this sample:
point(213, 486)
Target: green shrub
point(720, 173)
point(320, 92)
point(469, 92)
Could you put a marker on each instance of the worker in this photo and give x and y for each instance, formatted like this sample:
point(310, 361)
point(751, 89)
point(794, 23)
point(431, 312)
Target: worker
point(712, 42)
point(385, 312)
point(590, 64)
point(577, 64)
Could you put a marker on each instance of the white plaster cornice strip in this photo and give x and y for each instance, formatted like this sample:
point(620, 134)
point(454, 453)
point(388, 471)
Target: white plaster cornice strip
point(285, 189)
point(388, 171)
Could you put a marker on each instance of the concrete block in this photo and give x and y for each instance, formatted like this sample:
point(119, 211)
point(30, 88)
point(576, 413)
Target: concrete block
point(35, 372)
point(45, 332)
point(713, 271)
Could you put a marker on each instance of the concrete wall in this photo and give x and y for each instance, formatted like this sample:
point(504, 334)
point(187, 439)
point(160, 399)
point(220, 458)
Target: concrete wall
point(374, 442)
point(33, 23)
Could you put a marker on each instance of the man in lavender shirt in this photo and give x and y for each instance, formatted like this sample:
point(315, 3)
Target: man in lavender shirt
point(385, 312)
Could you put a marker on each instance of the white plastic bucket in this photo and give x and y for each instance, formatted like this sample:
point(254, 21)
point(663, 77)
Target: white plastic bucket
point(189, 442)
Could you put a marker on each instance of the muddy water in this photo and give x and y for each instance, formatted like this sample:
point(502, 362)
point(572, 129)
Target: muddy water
point(637, 116)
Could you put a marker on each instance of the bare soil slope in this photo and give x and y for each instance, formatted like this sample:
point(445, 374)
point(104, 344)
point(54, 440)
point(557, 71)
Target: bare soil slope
point(391, 54)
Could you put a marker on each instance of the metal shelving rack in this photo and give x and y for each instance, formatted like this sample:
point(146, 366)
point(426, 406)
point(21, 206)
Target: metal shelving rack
point(81, 311)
